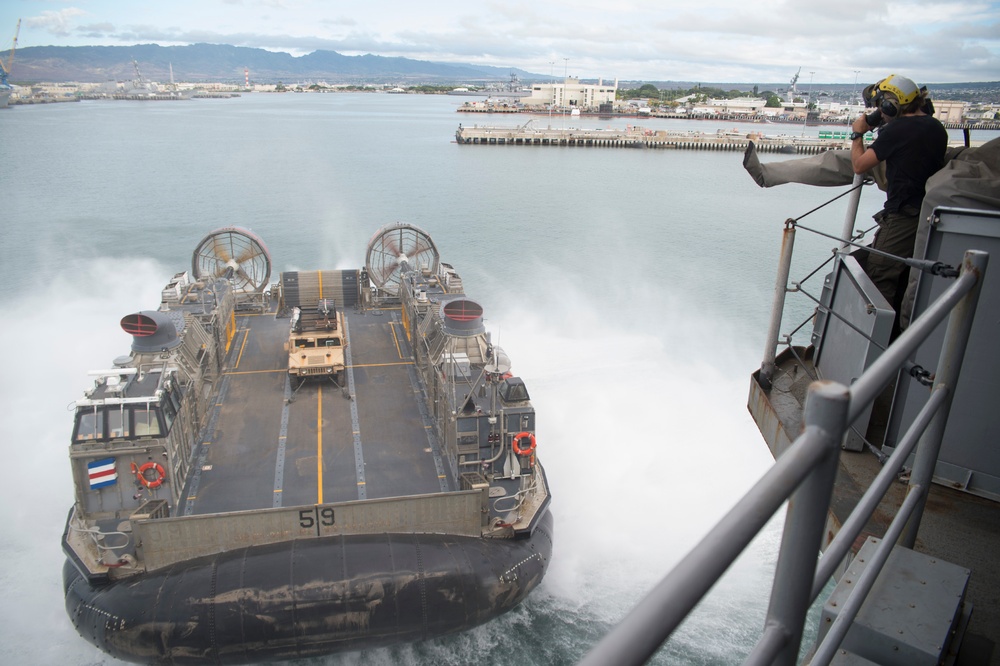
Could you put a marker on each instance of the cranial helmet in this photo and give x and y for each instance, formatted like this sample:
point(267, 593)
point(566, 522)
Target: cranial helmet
point(904, 90)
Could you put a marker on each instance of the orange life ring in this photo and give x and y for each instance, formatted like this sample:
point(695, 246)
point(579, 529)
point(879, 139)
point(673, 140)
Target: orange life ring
point(140, 474)
point(517, 443)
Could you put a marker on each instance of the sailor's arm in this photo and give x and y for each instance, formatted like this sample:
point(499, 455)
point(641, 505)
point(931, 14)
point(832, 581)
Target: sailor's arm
point(862, 159)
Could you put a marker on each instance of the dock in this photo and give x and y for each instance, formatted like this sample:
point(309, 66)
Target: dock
point(639, 137)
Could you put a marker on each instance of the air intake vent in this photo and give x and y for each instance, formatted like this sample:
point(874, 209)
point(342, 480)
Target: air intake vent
point(151, 331)
point(139, 325)
point(462, 317)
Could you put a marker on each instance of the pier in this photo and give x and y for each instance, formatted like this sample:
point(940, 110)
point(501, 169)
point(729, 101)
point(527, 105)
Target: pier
point(639, 137)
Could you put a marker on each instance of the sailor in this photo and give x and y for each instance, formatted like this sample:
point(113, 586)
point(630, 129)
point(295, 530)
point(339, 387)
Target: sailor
point(912, 143)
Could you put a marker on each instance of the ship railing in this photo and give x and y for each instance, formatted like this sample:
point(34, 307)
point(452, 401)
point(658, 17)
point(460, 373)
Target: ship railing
point(847, 238)
point(803, 475)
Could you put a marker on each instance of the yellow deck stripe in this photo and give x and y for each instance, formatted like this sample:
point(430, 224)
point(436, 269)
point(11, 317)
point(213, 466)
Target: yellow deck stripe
point(395, 339)
point(356, 365)
point(246, 336)
point(319, 445)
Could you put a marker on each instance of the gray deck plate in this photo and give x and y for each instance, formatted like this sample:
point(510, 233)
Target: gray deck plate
point(243, 450)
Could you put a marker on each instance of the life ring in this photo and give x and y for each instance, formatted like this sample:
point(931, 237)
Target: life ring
point(517, 444)
point(140, 474)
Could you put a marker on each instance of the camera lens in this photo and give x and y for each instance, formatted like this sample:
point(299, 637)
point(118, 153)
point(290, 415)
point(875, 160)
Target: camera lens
point(874, 119)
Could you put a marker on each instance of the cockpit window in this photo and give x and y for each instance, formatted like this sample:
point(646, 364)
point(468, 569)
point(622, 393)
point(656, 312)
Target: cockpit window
point(89, 424)
point(104, 422)
point(118, 422)
point(146, 424)
point(513, 390)
point(169, 410)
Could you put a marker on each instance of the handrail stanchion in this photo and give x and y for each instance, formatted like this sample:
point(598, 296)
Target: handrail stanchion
point(847, 233)
point(778, 305)
point(805, 520)
point(956, 339)
point(837, 549)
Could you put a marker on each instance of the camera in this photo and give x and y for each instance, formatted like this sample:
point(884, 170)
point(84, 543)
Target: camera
point(872, 98)
point(874, 119)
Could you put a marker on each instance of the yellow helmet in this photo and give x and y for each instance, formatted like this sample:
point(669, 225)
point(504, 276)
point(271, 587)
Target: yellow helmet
point(903, 88)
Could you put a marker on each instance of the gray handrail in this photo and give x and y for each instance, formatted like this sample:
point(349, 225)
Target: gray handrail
point(804, 473)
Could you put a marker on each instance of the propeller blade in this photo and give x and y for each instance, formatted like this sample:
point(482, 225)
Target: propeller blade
point(386, 270)
point(220, 251)
point(250, 252)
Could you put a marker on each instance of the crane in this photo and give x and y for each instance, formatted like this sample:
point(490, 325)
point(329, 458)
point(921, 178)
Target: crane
point(5, 67)
point(792, 90)
point(139, 82)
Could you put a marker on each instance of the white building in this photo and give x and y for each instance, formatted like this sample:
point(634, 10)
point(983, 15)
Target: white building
point(982, 112)
point(748, 105)
point(572, 93)
point(949, 112)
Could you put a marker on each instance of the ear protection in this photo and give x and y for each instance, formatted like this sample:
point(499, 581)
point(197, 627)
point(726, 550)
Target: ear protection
point(888, 107)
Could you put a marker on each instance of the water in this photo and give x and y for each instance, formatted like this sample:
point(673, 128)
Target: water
point(630, 288)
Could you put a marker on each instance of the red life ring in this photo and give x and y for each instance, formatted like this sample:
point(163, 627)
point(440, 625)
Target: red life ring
point(140, 474)
point(517, 443)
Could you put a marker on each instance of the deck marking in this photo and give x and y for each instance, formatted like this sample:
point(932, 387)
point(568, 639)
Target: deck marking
point(395, 338)
point(255, 372)
point(279, 463)
point(359, 458)
point(246, 336)
point(428, 422)
point(319, 445)
point(380, 365)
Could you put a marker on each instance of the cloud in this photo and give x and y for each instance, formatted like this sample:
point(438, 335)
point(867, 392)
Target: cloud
point(58, 23)
point(729, 40)
point(96, 30)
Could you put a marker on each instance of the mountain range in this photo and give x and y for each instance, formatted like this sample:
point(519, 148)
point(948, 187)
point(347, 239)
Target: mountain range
point(224, 63)
point(208, 63)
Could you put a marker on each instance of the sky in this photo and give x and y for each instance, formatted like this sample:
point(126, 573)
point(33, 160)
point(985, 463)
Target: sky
point(930, 41)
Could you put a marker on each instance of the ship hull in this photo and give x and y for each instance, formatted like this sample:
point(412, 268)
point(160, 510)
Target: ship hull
point(308, 597)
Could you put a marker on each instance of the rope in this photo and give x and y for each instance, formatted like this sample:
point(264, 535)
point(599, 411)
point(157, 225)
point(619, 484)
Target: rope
point(96, 534)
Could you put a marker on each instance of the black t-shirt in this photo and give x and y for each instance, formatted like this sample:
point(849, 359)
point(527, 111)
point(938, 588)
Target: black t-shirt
point(912, 148)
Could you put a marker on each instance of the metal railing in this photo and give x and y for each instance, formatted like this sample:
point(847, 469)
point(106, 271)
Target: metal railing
point(803, 475)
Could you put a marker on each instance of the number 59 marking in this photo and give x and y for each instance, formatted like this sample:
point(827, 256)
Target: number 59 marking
point(318, 517)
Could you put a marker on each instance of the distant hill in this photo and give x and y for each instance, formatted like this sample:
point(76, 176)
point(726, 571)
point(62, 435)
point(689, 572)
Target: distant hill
point(222, 63)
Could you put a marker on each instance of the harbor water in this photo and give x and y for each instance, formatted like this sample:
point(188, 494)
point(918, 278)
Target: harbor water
point(630, 288)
